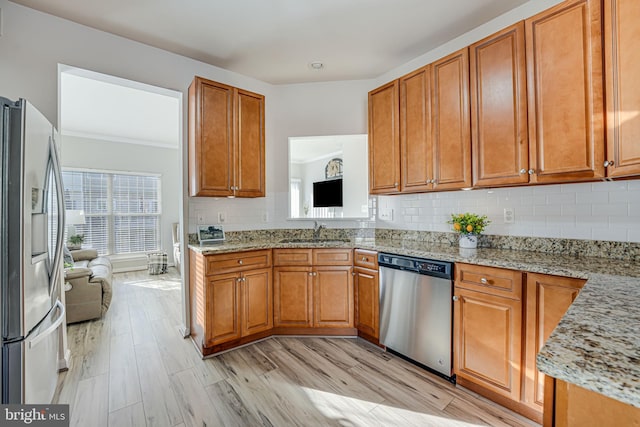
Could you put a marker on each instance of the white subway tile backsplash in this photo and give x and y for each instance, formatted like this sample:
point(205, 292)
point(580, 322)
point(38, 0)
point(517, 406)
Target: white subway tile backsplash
point(547, 189)
point(611, 209)
point(633, 185)
point(575, 232)
point(612, 234)
point(567, 210)
point(619, 196)
point(592, 198)
point(561, 199)
point(547, 210)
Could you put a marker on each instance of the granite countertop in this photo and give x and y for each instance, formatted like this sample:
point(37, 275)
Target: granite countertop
point(597, 343)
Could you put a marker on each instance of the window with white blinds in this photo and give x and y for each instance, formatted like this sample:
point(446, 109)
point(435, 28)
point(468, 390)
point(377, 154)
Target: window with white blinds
point(121, 211)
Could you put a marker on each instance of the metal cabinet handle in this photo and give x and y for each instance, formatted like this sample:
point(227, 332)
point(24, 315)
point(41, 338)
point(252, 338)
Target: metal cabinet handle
point(239, 261)
point(364, 259)
point(608, 163)
point(455, 298)
point(484, 281)
point(523, 170)
point(531, 171)
point(395, 184)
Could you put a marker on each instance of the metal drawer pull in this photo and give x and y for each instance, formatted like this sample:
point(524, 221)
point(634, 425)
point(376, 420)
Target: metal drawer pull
point(239, 261)
point(484, 281)
point(455, 298)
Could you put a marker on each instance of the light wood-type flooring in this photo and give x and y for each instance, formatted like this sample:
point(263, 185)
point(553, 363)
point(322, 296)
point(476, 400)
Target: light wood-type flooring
point(132, 368)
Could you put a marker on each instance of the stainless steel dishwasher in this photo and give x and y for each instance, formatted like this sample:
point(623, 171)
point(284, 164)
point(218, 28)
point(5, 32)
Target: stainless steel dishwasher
point(416, 310)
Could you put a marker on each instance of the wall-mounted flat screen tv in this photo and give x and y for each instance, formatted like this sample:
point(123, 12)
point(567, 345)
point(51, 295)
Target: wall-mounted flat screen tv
point(327, 194)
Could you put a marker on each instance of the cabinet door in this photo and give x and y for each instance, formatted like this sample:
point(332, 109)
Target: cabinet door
point(384, 139)
point(210, 138)
point(293, 293)
point(223, 309)
point(367, 301)
point(622, 60)
point(249, 155)
point(564, 69)
point(333, 297)
point(451, 130)
point(257, 296)
point(415, 131)
point(487, 341)
point(499, 109)
point(548, 298)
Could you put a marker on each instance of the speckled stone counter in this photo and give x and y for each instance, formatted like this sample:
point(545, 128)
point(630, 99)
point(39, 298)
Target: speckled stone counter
point(597, 343)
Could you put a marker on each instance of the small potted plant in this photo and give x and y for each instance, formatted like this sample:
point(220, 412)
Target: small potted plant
point(75, 241)
point(469, 226)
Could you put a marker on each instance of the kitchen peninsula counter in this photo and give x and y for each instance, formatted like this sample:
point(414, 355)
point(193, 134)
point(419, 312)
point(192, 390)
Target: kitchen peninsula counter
point(597, 343)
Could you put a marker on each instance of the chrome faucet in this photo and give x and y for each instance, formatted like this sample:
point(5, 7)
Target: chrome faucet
point(316, 229)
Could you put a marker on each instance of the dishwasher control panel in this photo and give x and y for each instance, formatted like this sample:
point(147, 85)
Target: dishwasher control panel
point(428, 267)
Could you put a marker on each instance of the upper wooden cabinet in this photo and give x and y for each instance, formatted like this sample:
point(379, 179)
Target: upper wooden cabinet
point(416, 149)
point(226, 141)
point(384, 139)
point(564, 71)
point(622, 68)
point(451, 131)
point(498, 81)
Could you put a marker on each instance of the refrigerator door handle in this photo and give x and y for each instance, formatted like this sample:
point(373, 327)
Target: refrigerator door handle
point(41, 336)
point(60, 195)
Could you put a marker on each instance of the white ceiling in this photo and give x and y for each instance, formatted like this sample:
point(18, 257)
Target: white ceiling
point(275, 40)
point(97, 106)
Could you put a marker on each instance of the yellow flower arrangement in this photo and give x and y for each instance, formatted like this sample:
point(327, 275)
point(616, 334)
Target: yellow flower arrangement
point(468, 223)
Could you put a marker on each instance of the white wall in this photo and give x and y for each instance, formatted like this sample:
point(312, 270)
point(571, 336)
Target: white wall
point(108, 155)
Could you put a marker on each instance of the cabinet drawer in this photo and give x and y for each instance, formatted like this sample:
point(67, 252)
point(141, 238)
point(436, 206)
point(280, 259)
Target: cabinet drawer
point(332, 257)
point(238, 261)
point(365, 258)
point(490, 280)
point(292, 256)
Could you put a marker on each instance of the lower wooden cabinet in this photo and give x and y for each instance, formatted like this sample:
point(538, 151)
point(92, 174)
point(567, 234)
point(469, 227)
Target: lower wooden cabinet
point(548, 298)
point(367, 302)
point(308, 294)
point(293, 293)
point(223, 308)
point(231, 296)
point(257, 301)
point(487, 346)
point(499, 328)
point(333, 297)
point(367, 294)
point(577, 406)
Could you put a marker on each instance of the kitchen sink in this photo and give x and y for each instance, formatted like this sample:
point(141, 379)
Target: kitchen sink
point(324, 241)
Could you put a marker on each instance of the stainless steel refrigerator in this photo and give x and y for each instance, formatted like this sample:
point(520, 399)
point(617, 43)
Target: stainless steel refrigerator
point(31, 235)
